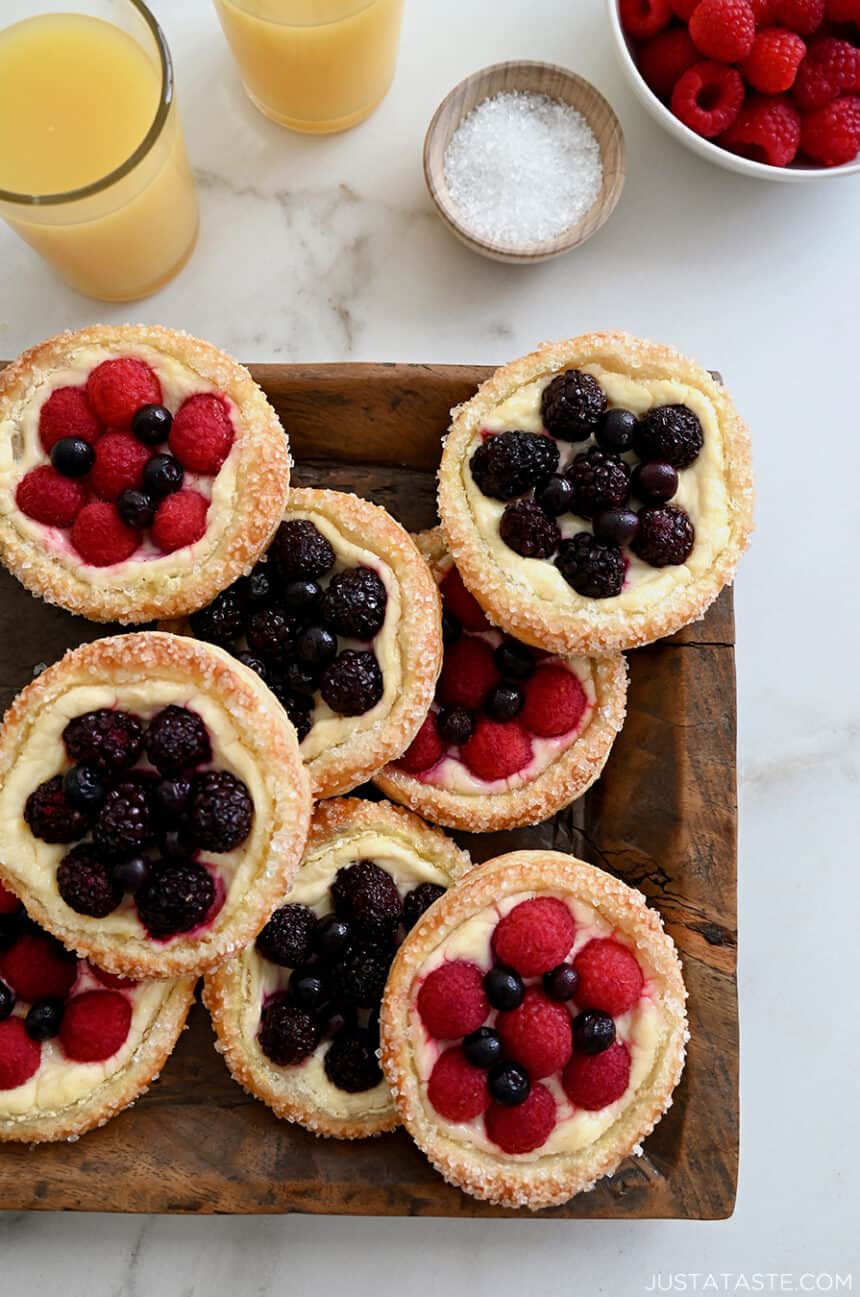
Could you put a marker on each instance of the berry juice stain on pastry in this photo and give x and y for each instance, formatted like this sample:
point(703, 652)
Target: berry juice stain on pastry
point(513, 734)
point(533, 1033)
point(341, 619)
point(153, 802)
point(141, 471)
point(297, 1014)
point(596, 494)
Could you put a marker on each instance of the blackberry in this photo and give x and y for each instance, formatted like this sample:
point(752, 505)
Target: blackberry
point(351, 1063)
point(49, 815)
point(528, 530)
point(655, 482)
point(177, 896)
point(671, 433)
point(359, 977)
point(366, 893)
point(125, 823)
point(511, 463)
point(332, 937)
point(593, 1032)
point(615, 431)
point(354, 603)
point(287, 1034)
point(600, 481)
point(85, 884)
point(287, 937)
point(221, 811)
point(177, 740)
point(455, 724)
point(418, 900)
point(353, 683)
point(317, 646)
point(665, 537)
point(572, 404)
point(594, 568)
point(272, 634)
point(299, 708)
point(514, 660)
point(107, 739)
point(254, 663)
point(301, 551)
point(504, 702)
point(221, 621)
point(556, 497)
point(44, 1019)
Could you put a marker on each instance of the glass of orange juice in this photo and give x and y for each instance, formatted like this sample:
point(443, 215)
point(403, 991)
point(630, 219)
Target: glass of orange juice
point(93, 169)
point(314, 65)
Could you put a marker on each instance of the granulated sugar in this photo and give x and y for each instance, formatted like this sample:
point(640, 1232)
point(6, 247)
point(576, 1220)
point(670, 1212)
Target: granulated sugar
point(522, 168)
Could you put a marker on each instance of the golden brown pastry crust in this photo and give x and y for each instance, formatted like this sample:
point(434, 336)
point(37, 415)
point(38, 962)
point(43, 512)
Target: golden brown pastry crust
point(266, 734)
point(225, 991)
point(593, 629)
point(559, 784)
point(553, 1179)
point(235, 537)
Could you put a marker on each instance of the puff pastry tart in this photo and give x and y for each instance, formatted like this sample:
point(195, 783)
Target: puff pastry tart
point(534, 1028)
point(513, 734)
point(597, 494)
point(342, 620)
point(297, 1015)
point(77, 1045)
point(153, 803)
point(141, 471)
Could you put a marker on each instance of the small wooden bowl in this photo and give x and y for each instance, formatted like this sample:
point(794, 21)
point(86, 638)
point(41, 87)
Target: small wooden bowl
point(538, 78)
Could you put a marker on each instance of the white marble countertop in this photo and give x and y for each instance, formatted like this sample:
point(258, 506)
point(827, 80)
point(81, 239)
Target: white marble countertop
point(328, 250)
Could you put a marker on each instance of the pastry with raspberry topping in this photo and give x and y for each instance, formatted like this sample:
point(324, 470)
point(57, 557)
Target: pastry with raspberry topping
point(146, 471)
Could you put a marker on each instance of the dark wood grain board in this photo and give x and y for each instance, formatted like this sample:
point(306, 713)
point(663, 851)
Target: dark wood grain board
point(663, 818)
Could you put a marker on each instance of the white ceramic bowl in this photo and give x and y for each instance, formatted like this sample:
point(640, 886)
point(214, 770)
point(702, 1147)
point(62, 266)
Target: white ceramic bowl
point(795, 174)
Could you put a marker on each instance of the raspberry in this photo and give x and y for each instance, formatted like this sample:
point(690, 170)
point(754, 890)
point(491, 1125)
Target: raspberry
point(9, 903)
point(723, 29)
point(609, 977)
point(592, 1081)
point(534, 936)
point(830, 68)
point(593, 567)
point(802, 16)
point(360, 974)
point(644, 18)
point(537, 1034)
point(351, 1063)
point(50, 817)
point(684, 9)
point(708, 98)
point(600, 480)
point(112, 980)
point(67, 413)
point(418, 901)
point(116, 389)
point(177, 740)
point(665, 58)
point(457, 1090)
point(85, 884)
point(38, 968)
point(354, 603)
point(669, 433)
point(665, 536)
point(510, 463)
point(178, 896)
point(831, 134)
point(842, 11)
point(108, 739)
point(95, 1026)
point(496, 750)
point(461, 603)
point(571, 406)
point(469, 672)
point(353, 683)
point(452, 1002)
point(272, 634)
point(119, 465)
point(46, 496)
point(180, 520)
point(301, 550)
point(222, 811)
point(763, 11)
point(524, 1128)
point(366, 893)
point(424, 750)
point(19, 1055)
point(202, 433)
point(555, 701)
point(287, 1034)
point(772, 63)
point(287, 937)
point(528, 530)
point(101, 537)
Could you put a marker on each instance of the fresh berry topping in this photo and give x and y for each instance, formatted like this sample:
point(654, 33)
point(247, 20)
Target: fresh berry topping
point(351, 1063)
point(614, 433)
point(221, 811)
point(456, 725)
point(151, 424)
point(353, 683)
point(772, 63)
point(255, 664)
point(317, 646)
point(180, 520)
point(616, 526)
point(452, 1001)
point(458, 1089)
point(19, 1055)
point(592, 1081)
point(560, 983)
point(368, 895)
point(9, 903)
point(510, 463)
point(221, 621)
point(504, 988)
point(483, 1047)
point(101, 537)
point(299, 596)
point(509, 1083)
point(451, 628)
point(309, 988)
point(463, 605)
point(301, 550)
point(424, 750)
point(7, 1001)
point(43, 1020)
point(468, 674)
point(831, 134)
point(107, 739)
point(654, 483)
point(524, 1128)
point(359, 976)
point(665, 537)
point(803, 16)
point(593, 567)
point(116, 389)
point(49, 815)
point(684, 9)
point(299, 677)
point(842, 11)
point(332, 936)
point(556, 497)
point(514, 660)
point(46, 496)
point(177, 740)
point(504, 702)
point(555, 701)
point(663, 60)
point(496, 750)
point(354, 603)
point(537, 1034)
point(202, 433)
point(272, 634)
point(132, 875)
point(669, 433)
point(723, 29)
point(136, 509)
point(643, 18)
point(299, 709)
point(593, 1032)
point(67, 413)
point(72, 456)
point(162, 476)
point(528, 530)
point(708, 98)
point(287, 937)
point(287, 1034)
point(125, 823)
point(178, 896)
point(119, 464)
point(572, 405)
point(767, 130)
point(600, 481)
point(831, 68)
point(534, 936)
point(38, 968)
point(85, 884)
point(418, 901)
point(609, 977)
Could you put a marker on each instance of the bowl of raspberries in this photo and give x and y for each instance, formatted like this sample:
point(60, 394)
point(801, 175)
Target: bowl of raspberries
point(769, 88)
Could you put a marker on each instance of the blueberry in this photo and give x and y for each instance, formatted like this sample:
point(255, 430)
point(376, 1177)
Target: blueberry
point(7, 1001)
point(318, 646)
point(509, 1084)
point(616, 525)
point(172, 844)
point(332, 937)
point(83, 788)
point(162, 475)
point(593, 1031)
point(560, 983)
point(615, 430)
point(557, 496)
point(514, 660)
point(259, 587)
point(136, 509)
point(455, 725)
point(44, 1019)
point(72, 456)
point(504, 702)
point(151, 424)
point(482, 1048)
point(133, 874)
point(254, 663)
point(451, 628)
point(308, 989)
point(654, 483)
point(302, 596)
point(172, 797)
point(301, 677)
point(504, 988)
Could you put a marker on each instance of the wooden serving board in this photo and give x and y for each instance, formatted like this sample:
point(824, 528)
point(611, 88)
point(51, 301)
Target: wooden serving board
point(662, 818)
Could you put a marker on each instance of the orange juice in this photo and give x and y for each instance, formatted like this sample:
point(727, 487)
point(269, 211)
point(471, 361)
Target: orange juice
point(92, 147)
point(314, 65)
